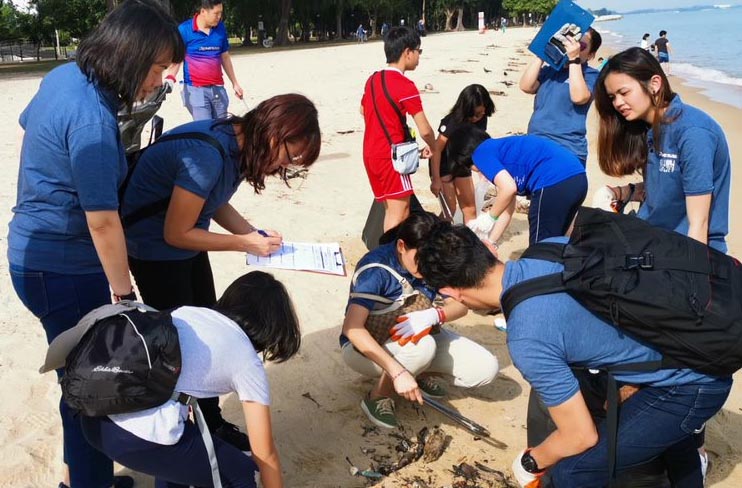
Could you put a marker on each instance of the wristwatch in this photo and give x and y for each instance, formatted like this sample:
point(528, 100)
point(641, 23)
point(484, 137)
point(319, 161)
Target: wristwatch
point(577, 60)
point(529, 464)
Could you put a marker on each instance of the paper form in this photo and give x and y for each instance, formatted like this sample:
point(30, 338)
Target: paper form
point(304, 256)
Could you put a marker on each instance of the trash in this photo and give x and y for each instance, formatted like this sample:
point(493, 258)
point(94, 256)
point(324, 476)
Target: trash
point(454, 71)
point(308, 395)
point(435, 443)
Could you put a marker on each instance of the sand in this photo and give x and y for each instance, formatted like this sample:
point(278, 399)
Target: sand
point(316, 413)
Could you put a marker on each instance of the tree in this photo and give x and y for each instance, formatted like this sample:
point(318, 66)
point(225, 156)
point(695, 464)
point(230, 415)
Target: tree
point(282, 38)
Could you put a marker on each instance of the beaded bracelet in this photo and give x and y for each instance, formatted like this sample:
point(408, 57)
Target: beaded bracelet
point(398, 374)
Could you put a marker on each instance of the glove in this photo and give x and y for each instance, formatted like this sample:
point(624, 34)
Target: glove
point(414, 326)
point(605, 199)
point(169, 83)
point(482, 225)
point(523, 477)
point(568, 30)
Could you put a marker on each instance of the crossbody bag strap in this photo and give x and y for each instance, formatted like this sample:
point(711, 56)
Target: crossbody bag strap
point(161, 205)
point(402, 119)
point(376, 109)
point(407, 289)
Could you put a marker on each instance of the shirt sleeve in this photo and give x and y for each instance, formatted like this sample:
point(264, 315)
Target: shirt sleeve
point(225, 41)
point(546, 72)
point(591, 77)
point(199, 168)
point(696, 152)
point(250, 381)
point(410, 99)
point(375, 281)
point(487, 162)
point(96, 158)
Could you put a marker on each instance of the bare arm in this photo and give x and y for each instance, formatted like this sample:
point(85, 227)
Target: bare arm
point(173, 70)
point(575, 433)
point(425, 130)
point(579, 93)
point(180, 231)
point(232, 221)
point(435, 164)
point(229, 69)
point(504, 206)
point(108, 239)
point(529, 79)
point(453, 309)
point(260, 432)
point(698, 208)
point(354, 329)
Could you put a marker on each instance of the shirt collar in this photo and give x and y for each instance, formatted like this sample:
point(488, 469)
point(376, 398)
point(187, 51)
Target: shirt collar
point(675, 107)
point(195, 25)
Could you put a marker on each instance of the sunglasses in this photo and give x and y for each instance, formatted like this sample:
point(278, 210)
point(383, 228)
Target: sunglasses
point(292, 165)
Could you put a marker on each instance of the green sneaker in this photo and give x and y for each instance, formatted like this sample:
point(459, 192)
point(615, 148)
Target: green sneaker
point(380, 411)
point(431, 386)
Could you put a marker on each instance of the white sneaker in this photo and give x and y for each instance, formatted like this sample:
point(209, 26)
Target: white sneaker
point(704, 464)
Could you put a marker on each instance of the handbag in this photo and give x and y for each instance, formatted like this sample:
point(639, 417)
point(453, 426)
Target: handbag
point(405, 155)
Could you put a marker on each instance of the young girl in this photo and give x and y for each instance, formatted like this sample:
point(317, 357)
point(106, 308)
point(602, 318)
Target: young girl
point(521, 165)
point(222, 351)
point(392, 329)
point(473, 106)
point(680, 151)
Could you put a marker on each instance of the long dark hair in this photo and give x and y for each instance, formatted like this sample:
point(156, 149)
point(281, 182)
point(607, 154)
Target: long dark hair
point(622, 144)
point(120, 52)
point(469, 99)
point(462, 143)
point(266, 128)
point(261, 306)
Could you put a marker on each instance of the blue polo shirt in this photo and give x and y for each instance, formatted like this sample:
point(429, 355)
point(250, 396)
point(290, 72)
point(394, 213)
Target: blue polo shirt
point(548, 334)
point(693, 160)
point(533, 162)
point(191, 164)
point(554, 114)
point(203, 59)
point(72, 161)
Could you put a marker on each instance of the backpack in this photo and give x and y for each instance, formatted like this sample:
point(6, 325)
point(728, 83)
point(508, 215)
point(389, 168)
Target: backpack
point(667, 290)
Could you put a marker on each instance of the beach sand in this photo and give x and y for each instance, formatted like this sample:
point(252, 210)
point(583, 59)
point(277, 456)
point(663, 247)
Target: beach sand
point(317, 419)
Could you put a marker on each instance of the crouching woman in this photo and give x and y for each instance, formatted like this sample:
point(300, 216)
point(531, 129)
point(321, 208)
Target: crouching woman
point(221, 351)
point(393, 331)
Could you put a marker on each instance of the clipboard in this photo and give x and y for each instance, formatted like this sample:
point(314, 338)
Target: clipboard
point(325, 258)
point(550, 51)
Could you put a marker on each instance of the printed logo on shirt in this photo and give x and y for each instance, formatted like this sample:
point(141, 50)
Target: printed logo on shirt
point(209, 48)
point(668, 162)
point(109, 369)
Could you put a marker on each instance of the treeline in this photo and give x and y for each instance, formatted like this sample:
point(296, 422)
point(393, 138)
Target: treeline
point(285, 20)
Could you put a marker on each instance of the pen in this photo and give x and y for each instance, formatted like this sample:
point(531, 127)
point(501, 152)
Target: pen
point(262, 232)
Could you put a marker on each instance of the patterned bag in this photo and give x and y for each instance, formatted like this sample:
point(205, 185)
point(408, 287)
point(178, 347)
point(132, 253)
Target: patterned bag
point(384, 315)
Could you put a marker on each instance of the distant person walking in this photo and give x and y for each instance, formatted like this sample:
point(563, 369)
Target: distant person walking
point(645, 41)
point(663, 48)
point(207, 52)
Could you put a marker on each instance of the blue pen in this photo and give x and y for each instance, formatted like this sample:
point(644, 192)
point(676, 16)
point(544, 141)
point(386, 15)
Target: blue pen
point(262, 233)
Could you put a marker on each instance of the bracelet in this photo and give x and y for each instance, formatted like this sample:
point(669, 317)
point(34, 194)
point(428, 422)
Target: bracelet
point(171, 78)
point(129, 296)
point(399, 374)
point(441, 315)
point(494, 219)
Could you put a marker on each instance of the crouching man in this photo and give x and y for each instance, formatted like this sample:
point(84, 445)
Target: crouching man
point(548, 336)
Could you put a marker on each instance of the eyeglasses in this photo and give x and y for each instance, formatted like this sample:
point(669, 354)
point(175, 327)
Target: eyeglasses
point(583, 45)
point(290, 166)
point(419, 50)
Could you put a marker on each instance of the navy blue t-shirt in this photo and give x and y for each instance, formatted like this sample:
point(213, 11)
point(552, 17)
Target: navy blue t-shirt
point(548, 334)
point(554, 114)
point(191, 164)
point(693, 160)
point(533, 162)
point(72, 162)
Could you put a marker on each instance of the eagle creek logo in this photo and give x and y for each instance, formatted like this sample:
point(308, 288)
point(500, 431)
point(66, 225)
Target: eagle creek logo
point(111, 369)
point(668, 162)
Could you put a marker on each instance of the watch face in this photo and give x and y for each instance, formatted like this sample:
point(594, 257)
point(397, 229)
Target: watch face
point(528, 463)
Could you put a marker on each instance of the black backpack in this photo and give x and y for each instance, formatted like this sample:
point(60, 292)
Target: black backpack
point(124, 363)
point(668, 290)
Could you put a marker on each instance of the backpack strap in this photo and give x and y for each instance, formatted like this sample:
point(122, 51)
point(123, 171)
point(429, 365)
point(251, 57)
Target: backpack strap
point(543, 285)
point(545, 251)
point(407, 289)
point(161, 205)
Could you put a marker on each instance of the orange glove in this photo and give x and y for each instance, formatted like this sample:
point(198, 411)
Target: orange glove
point(414, 326)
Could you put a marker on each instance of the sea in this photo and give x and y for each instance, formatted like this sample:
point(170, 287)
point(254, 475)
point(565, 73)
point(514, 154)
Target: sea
point(706, 46)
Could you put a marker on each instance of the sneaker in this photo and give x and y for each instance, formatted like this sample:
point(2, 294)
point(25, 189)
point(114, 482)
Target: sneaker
point(704, 464)
point(230, 434)
point(501, 324)
point(380, 411)
point(432, 386)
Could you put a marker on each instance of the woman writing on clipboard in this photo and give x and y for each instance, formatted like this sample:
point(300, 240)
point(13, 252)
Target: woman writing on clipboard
point(182, 183)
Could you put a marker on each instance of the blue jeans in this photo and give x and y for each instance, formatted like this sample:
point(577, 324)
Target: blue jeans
point(60, 301)
point(206, 102)
point(651, 422)
point(182, 464)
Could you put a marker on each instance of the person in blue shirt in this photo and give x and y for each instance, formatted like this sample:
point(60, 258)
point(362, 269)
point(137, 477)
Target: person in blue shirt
point(168, 248)
point(681, 151)
point(521, 165)
point(66, 244)
point(550, 334)
point(207, 52)
point(392, 329)
point(563, 97)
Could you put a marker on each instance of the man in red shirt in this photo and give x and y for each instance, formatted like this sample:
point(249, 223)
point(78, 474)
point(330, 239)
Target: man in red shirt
point(402, 49)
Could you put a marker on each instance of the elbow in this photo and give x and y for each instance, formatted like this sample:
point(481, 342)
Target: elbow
point(528, 89)
point(582, 99)
point(586, 440)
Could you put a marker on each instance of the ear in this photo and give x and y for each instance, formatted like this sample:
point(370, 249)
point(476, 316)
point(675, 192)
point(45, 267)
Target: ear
point(401, 246)
point(655, 84)
point(454, 293)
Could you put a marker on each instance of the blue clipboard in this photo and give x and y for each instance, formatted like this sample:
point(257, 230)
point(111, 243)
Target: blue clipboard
point(550, 50)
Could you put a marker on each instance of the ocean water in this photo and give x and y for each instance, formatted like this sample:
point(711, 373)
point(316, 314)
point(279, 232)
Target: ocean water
point(706, 45)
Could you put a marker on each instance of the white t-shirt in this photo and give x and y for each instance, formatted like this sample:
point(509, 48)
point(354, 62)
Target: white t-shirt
point(645, 44)
point(218, 358)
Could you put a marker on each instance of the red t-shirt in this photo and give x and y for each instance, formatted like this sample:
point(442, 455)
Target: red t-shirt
point(405, 94)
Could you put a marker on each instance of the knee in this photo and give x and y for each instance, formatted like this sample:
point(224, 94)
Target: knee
point(416, 358)
point(483, 373)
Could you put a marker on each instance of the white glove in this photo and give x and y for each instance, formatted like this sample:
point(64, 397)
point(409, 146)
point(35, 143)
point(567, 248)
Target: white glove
point(414, 326)
point(482, 225)
point(523, 477)
point(567, 30)
point(170, 84)
point(604, 199)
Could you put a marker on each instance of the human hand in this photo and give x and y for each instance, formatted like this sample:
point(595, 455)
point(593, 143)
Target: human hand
point(169, 83)
point(406, 387)
point(261, 243)
point(426, 153)
point(238, 90)
point(523, 477)
point(572, 48)
point(606, 198)
point(435, 186)
point(482, 225)
point(414, 326)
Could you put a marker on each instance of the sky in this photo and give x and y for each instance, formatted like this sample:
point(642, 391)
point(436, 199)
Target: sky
point(629, 5)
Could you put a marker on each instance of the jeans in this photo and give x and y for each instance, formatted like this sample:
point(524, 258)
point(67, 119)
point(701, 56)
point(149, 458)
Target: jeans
point(206, 102)
point(60, 301)
point(182, 464)
point(653, 421)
